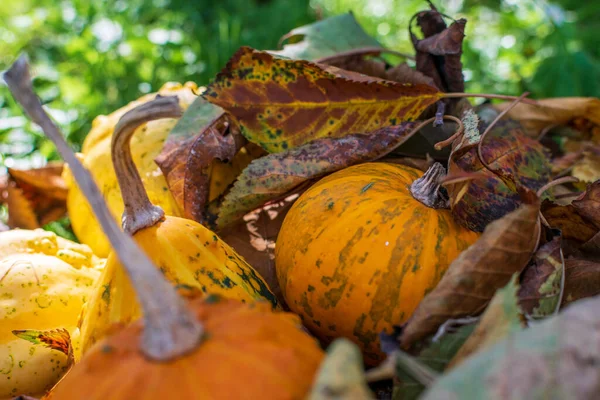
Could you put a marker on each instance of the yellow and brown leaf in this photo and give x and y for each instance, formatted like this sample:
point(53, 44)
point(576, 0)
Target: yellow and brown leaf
point(282, 103)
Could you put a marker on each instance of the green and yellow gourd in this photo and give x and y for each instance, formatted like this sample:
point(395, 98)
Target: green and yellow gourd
point(187, 253)
point(146, 144)
point(44, 282)
point(360, 249)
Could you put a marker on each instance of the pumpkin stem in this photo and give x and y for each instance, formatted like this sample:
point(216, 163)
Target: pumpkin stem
point(426, 189)
point(171, 329)
point(139, 212)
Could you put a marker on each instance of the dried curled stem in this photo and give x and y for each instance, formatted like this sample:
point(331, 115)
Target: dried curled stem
point(171, 329)
point(139, 212)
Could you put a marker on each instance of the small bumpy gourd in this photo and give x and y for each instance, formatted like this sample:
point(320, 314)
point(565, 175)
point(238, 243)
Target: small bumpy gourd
point(44, 282)
point(187, 253)
point(357, 252)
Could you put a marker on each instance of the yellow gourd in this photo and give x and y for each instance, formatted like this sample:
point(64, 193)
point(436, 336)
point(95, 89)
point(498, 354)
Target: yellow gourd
point(187, 253)
point(146, 145)
point(44, 282)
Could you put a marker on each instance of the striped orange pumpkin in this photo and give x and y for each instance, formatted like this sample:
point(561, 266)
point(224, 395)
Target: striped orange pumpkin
point(357, 252)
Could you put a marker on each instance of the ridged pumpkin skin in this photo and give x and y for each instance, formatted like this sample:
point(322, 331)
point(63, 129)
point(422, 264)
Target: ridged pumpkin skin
point(44, 282)
point(249, 352)
point(189, 255)
point(357, 253)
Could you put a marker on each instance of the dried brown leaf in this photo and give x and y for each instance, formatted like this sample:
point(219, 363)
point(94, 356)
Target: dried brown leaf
point(35, 197)
point(204, 137)
point(438, 55)
point(569, 221)
point(588, 204)
point(20, 210)
point(470, 282)
point(46, 180)
point(500, 318)
point(582, 279)
point(540, 289)
point(555, 111)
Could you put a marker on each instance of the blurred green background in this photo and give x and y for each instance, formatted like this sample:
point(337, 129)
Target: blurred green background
point(90, 57)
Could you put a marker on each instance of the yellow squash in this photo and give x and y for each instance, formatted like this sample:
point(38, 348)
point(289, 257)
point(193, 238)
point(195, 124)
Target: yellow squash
point(44, 282)
point(357, 252)
point(187, 253)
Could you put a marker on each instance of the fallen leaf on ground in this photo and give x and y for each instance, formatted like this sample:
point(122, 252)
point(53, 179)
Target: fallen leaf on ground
point(501, 318)
point(341, 375)
point(566, 218)
point(35, 197)
point(273, 176)
point(539, 294)
point(282, 103)
point(504, 248)
point(555, 111)
point(554, 359)
point(508, 152)
point(582, 279)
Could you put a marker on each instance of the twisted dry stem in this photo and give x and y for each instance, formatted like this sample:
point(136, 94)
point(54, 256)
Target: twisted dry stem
point(171, 329)
point(139, 212)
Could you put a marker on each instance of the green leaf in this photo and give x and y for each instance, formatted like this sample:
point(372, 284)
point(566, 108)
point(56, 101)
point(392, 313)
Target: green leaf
point(436, 356)
point(326, 38)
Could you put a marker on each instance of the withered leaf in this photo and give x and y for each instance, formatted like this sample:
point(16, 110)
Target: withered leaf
point(321, 39)
point(202, 136)
point(341, 375)
point(501, 318)
point(555, 359)
point(36, 196)
point(20, 210)
point(508, 152)
point(555, 111)
point(588, 204)
point(582, 279)
point(282, 103)
point(466, 288)
point(271, 177)
point(438, 55)
point(540, 289)
point(55, 339)
point(566, 218)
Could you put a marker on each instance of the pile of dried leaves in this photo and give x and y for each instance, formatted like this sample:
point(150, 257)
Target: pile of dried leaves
point(529, 182)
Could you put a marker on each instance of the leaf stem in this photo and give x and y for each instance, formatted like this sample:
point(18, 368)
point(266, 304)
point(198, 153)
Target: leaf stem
point(487, 96)
point(364, 51)
point(170, 329)
point(139, 212)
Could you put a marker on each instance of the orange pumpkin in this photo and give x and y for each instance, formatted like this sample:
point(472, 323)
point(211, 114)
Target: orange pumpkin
point(248, 352)
point(357, 252)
